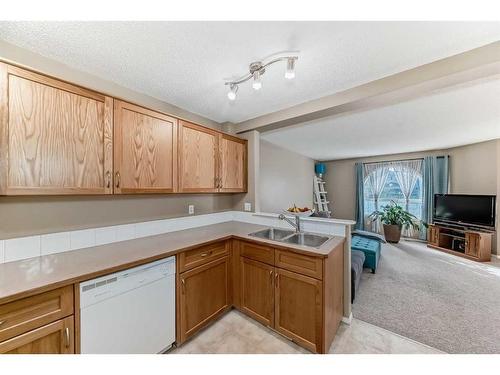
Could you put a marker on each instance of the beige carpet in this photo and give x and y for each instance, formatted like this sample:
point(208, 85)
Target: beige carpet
point(446, 302)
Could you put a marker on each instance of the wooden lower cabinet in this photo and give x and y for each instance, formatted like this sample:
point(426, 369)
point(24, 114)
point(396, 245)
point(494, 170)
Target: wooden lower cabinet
point(53, 338)
point(257, 290)
point(298, 308)
point(204, 294)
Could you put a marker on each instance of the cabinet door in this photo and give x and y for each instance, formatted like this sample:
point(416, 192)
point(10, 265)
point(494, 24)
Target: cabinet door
point(57, 138)
point(145, 150)
point(472, 243)
point(198, 159)
point(54, 338)
point(257, 291)
point(433, 235)
point(298, 308)
point(233, 164)
point(204, 295)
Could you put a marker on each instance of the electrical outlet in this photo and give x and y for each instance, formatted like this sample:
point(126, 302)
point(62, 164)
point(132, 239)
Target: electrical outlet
point(191, 209)
point(248, 206)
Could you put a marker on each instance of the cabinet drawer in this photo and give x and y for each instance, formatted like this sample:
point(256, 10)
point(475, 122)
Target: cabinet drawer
point(261, 253)
point(304, 264)
point(53, 338)
point(201, 255)
point(33, 312)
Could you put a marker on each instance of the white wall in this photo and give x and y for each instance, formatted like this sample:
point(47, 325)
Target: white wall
point(286, 178)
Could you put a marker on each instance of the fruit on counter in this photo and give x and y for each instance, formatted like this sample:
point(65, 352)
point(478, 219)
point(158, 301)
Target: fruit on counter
point(298, 209)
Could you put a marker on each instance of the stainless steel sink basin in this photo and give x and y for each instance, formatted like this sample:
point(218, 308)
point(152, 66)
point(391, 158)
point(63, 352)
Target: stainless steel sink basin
point(306, 239)
point(272, 234)
point(291, 237)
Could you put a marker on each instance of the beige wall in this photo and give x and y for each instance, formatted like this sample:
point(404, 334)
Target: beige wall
point(285, 178)
point(473, 170)
point(21, 216)
point(36, 215)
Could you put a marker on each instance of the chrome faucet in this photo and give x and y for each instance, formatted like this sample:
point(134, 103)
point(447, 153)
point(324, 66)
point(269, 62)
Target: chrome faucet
point(296, 225)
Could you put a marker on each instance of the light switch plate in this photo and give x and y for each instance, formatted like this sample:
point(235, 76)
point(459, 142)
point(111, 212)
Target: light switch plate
point(191, 209)
point(248, 206)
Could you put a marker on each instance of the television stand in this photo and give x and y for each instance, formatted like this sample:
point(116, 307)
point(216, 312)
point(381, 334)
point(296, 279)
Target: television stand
point(466, 243)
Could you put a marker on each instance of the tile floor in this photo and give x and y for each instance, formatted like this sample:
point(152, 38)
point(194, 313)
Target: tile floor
point(235, 333)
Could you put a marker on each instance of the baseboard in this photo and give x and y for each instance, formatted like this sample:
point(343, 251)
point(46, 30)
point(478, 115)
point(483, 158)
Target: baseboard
point(495, 256)
point(347, 320)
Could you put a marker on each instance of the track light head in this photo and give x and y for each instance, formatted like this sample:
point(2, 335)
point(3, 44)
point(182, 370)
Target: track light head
point(233, 89)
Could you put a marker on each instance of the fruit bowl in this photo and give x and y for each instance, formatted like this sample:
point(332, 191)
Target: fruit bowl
point(300, 214)
point(297, 211)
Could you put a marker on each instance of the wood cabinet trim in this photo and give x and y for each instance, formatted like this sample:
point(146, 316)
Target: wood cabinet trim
point(120, 175)
point(315, 346)
point(181, 161)
point(55, 83)
point(258, 252)
point(28, 313)
point(299, 263)
point(194, 258)
point(186, 332)
point(65, 328)
point(241, 169)
point(27, 178)
point(267, 318)
point(4, 129)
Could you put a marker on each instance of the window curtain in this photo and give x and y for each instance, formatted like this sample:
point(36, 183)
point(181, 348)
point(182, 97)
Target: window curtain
point(407, 173)
point(376, 176)
point(435, 181)
point(360, 197)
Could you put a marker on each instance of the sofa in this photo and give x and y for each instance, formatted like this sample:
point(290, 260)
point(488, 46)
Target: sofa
point(357, 261)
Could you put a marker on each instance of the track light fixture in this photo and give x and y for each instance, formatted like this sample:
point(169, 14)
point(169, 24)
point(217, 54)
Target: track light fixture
point(257, 69)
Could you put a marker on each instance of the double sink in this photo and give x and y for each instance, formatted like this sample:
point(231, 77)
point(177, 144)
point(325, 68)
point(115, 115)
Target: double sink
point(291, 237)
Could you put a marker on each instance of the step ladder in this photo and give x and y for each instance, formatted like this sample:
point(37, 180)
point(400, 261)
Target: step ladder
point(320, 199)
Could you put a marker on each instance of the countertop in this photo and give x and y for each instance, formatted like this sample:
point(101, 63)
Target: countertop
point(35, 275)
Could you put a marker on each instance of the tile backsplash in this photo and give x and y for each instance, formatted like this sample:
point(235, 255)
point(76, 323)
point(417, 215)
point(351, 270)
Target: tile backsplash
point(33, 246)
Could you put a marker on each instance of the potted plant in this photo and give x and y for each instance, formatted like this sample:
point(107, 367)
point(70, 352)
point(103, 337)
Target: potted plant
point(394, 218)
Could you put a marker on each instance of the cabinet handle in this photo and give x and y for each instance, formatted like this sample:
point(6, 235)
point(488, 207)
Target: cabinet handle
point(108, 179)
point(183, 286)
point(271, 276)
point(276, 279)
point(208, 253)
point(117, 176)
point(66, 332)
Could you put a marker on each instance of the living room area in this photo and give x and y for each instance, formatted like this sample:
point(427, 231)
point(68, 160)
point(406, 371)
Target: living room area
point(440, 299)
point(435, 156)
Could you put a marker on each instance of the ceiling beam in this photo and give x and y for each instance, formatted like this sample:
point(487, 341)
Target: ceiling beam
point(479, 63)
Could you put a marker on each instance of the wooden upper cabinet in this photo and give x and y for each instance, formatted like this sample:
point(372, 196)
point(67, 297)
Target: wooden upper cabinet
point(233, 164)
point(145, 158)
point(198, 158)
point(55, 138)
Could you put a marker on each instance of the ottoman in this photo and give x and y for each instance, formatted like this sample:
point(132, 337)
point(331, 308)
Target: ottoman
point(370, 247)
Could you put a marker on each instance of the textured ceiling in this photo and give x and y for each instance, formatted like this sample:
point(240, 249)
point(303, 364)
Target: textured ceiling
point(458, 116)
point(185, 63)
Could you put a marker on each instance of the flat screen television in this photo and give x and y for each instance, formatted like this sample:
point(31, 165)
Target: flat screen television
point(465, 210)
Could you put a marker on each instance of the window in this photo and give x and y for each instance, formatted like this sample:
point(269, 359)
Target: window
point(399, 181)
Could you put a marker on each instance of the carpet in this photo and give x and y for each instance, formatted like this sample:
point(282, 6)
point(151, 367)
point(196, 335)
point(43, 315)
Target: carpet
point(440, 300)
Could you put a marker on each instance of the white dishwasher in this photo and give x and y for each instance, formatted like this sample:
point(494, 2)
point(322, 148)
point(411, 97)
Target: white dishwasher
point(131, 311)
